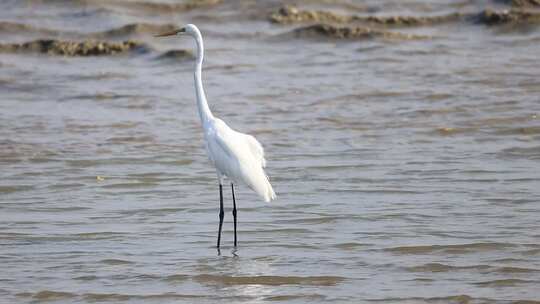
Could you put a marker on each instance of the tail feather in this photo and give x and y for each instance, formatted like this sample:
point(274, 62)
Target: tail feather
point(253, 175)
point(270, 194)
point(264, 190)
point(261, 185)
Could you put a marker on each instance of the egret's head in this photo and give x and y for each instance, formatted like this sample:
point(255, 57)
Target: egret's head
point(189, 29)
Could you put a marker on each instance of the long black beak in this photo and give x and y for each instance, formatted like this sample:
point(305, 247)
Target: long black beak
point(171, 33)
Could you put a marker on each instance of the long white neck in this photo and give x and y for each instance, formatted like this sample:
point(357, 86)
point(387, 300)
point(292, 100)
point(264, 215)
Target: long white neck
point(204, 111)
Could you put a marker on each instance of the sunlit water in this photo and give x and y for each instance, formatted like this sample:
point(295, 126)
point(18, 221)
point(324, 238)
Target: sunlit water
point(406, 171)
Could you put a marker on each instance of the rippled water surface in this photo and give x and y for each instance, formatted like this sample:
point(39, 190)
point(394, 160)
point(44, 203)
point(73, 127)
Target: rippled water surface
point(407, 170)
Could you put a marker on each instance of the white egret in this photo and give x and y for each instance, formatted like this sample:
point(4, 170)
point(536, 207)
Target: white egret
point(236, 156)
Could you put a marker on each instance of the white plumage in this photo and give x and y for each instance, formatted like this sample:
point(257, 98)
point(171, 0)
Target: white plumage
point(237, 156)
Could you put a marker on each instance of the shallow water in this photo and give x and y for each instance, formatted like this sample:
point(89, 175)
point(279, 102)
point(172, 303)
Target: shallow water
point(406, 171)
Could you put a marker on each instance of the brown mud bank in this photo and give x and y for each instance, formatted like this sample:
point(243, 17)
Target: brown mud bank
point(351, 33)
point(293, 15)
point(171, 7)
point(523, 3)
point(504, 17)
point(73, 48)
point(141, 6)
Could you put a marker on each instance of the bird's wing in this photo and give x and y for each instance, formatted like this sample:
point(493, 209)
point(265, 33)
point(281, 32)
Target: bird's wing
point(235, 144)
point(256, 148)
point(228, 149)
point(220, 152)
point(240, 157)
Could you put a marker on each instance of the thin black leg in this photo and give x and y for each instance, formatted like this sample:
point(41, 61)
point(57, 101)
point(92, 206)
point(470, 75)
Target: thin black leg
point(234, 212)
point(221, 214)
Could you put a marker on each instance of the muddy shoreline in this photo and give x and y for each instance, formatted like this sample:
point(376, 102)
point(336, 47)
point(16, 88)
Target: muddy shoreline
point(293, 15)
point(306, 23)
point(73, 48)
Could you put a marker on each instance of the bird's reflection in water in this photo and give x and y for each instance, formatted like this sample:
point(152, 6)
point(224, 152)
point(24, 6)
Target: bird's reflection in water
point(248, 271)
point(234, 252)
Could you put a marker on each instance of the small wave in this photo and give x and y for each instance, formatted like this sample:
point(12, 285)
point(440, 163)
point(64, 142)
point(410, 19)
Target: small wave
point(64, 186)
point(455, 299)
point(154, 212)
point(15, 188)
point(99, 96)
point(532, 130)
point(438, 267)
point(100, 297)
point(59, 209)
point(350, 246)
point(115, 262)
point(132, 185)
point(314, 220)
point(448, 131)
point(165, 8)
point(176, 278)
point(150, 7)
point(298, 246)
point(96, 235)
point(532, 153)
point(102, 76)
point(131, 139)
point(175, 55)
point(101, 162)
point(20, 28)
point(436, 111)
point(80, 127)
point(177, 162)
point(504, 283)
point(134, 29)
point(305, 297)
point(279, 230)
point(13, 235)
point(451, 249)
point(86, 278)
point(49, 295)
point(516, 270)
point(531, 252)
point(270, 280)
